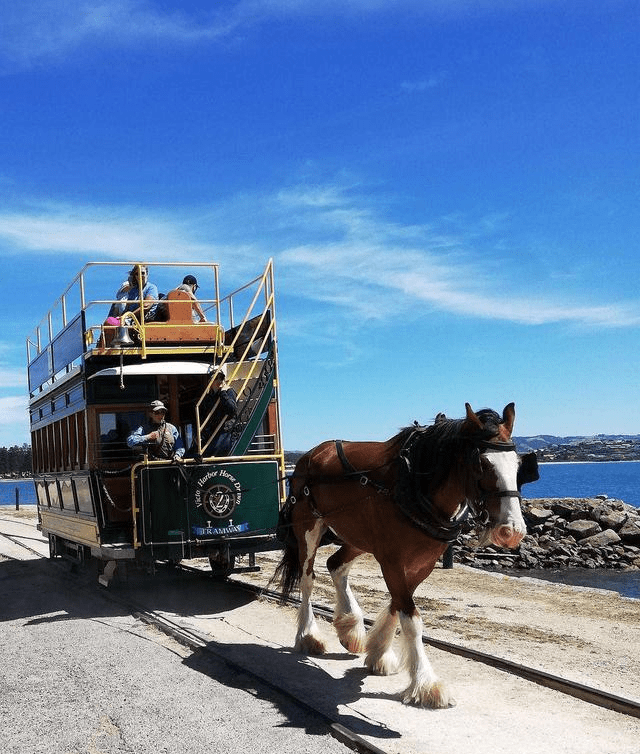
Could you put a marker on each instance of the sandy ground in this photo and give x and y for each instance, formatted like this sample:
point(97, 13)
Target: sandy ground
point(591, 636)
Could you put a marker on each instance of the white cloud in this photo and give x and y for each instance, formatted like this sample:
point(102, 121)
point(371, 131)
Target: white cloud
point(422, 85)
point(13, 377)
point(123, 234)
point(14, 424)
point(47, 29)
point(379, 269)
point(330, 247)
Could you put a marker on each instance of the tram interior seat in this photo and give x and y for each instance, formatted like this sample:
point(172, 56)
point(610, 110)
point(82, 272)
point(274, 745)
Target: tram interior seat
point(179, 326)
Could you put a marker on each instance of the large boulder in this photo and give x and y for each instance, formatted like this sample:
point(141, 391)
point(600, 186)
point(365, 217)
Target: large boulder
point(582, 528)
point(613, 520)
point(601, 539)
point(630, 532)
point(538, 515)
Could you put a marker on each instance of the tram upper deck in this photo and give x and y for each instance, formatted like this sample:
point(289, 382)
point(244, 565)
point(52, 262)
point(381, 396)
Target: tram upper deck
point(79, 355)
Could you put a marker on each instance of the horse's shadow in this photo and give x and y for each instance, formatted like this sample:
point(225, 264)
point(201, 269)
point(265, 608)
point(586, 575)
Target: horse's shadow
point(304, 690)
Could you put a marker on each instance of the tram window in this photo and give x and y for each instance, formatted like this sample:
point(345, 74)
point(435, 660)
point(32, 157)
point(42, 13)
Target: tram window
point(66, 494)
point(83, 495)
point(54, 496)
point(114, 427)
point(41, 492)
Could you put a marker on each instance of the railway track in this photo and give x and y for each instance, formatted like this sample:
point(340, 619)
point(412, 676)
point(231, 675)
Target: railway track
point(566, 686)
point(200, 642)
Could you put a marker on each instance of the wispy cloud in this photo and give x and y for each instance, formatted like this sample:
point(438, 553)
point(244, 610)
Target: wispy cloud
point(424, 84)
point(119, 234)
point(13, 421)
point(380, 269)
point(10, 378)
point(331, 247)
point(47, 29)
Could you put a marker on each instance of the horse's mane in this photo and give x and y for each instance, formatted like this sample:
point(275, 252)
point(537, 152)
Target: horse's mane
point(443, 448)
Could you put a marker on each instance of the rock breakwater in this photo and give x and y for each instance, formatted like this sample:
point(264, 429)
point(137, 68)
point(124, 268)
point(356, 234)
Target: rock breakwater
point(597, 532)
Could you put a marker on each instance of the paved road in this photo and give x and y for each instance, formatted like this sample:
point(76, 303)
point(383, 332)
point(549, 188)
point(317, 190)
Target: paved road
point(85, 676)
point(82, 676)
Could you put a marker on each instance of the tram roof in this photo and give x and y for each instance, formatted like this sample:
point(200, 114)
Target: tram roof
point(160, 367)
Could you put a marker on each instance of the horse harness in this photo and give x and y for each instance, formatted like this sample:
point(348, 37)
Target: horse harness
point(363, 479)
point(423, 512)
point(416, 506)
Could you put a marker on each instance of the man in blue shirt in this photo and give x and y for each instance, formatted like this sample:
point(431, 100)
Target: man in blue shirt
point(139, 275)
point(156, 436)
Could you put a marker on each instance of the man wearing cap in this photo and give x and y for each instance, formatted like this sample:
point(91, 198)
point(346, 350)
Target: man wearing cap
point(156, 436)
point(190, 286)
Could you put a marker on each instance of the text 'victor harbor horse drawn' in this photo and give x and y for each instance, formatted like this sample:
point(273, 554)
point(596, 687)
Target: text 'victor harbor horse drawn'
point(402, 500)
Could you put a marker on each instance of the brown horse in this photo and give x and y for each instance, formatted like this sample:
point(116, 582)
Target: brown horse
point(402, 500)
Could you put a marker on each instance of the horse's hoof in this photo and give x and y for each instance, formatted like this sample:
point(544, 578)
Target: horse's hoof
point(434, 696)
point(311, 645)
point(387, 664)
point(351, 633)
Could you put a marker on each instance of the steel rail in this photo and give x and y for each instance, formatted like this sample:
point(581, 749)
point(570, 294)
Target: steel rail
point(566, 686)
point(199, 642)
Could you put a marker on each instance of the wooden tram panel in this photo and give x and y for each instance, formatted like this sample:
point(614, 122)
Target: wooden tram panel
point(87, 393)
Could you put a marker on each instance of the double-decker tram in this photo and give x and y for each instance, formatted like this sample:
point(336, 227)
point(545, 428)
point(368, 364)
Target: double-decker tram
point(155, 417)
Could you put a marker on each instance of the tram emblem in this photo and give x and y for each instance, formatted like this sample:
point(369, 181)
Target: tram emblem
point(218, 493)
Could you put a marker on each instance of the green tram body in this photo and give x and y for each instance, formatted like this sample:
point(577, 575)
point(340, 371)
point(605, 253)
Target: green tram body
point(90, 384)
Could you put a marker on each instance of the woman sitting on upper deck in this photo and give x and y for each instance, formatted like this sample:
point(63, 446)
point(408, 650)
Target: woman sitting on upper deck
point(149, 294)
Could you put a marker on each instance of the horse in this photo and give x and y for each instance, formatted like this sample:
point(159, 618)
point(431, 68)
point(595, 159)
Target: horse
point(404, 501)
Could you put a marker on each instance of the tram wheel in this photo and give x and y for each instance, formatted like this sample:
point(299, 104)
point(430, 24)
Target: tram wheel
point(221, 566)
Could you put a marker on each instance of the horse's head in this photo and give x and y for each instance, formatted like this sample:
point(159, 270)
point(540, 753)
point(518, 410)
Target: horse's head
point(500, 473)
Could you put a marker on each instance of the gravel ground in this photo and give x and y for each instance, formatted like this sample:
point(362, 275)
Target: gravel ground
point(587, 635)
point(84, 676)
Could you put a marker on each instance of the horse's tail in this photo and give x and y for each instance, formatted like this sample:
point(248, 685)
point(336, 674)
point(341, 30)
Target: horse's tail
point(288, 571)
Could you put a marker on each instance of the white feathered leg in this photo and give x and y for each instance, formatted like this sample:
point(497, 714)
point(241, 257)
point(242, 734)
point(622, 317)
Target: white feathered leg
point(425, 689)
point(308, 638)
point(381, 659)
point(347, 616)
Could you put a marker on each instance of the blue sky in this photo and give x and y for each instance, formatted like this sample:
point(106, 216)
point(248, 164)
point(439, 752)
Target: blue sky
point(449, 190)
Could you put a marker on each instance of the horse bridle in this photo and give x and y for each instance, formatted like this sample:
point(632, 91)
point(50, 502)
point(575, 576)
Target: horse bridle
point(478, 507)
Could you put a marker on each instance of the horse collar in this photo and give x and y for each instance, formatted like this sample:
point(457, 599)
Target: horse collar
point(417, 507)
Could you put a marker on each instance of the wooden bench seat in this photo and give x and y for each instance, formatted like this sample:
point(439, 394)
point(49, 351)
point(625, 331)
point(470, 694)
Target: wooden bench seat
point(179, 326)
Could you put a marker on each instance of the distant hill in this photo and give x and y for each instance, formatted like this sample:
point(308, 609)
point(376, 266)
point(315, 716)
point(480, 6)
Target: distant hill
point(535, 442)
point(538, 442)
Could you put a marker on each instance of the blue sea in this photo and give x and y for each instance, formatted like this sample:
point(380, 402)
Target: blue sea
point(26, 492)
point(616, 479)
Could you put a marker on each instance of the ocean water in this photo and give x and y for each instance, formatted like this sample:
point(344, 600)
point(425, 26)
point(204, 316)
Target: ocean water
point(26, 492)
point(616, 479)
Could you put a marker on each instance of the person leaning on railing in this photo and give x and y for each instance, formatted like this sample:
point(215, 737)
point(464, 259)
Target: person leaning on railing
point(223, 401)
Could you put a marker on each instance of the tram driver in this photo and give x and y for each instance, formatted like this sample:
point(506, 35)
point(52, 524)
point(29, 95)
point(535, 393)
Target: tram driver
point(157, 436)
